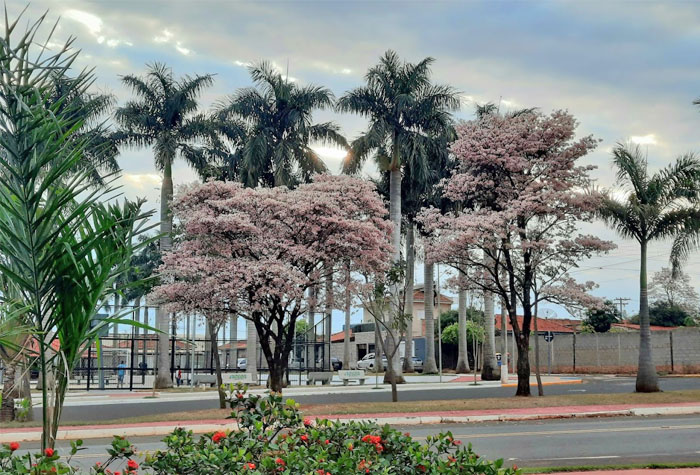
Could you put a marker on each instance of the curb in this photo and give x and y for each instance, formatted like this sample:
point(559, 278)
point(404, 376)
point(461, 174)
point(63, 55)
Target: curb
point(145, 430)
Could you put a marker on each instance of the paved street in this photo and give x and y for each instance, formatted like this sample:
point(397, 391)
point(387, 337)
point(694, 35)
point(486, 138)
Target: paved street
point(536, 444)
point(102, 409)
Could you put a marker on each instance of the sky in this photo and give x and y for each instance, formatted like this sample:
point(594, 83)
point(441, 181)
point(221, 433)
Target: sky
point(628, 71)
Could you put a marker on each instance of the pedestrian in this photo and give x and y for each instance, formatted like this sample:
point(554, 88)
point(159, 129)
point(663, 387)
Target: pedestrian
point(178, 376)
point(121, 370)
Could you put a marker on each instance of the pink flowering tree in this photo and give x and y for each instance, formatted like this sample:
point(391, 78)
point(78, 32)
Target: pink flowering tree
point(521, 195)
point(258, 250)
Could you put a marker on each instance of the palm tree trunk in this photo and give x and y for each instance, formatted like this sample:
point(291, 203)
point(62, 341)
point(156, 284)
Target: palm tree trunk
point(233, 341)
point(430, 366)
point(538, 374)
point(252, 351)
point(346, 339)
point(311, 332)
point(408, 303)
point(164, 378)
point(647, 380)
point(7, 410)
point(489, 365)
point(327, 327)
point(462, 358)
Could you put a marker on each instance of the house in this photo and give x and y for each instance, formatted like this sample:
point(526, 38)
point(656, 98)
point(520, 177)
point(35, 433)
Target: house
point(554, 325)
point(418, 310)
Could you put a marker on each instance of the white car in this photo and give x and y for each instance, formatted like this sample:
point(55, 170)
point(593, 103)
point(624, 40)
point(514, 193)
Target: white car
point(368, 362)
point(242, 363)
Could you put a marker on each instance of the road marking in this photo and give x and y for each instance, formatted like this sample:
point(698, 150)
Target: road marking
point(565, 432)
point(584, 458)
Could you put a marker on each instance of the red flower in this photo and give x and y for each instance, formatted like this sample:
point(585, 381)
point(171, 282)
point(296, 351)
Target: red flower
point(279, 461)
point(14, 446)
point(307, 421)
point(515, 467)
point(327, 442)
point(218, 436)
point(350, 447)
point(457, 442)
point(49, 452)
point(422, 468)
point(132, 464)
point(379, 448)
point(239, 396)
point(250, 465)
point(304, 438)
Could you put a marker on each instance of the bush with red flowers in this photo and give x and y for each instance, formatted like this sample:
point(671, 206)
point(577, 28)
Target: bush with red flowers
point(273, 439)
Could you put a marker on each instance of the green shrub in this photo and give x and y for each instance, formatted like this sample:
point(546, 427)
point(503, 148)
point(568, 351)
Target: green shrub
point(273, 438)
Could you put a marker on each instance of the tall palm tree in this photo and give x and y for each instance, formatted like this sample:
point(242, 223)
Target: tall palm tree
point(406, 112)
point(165, 116)
point(271, 129)
point(657, 206)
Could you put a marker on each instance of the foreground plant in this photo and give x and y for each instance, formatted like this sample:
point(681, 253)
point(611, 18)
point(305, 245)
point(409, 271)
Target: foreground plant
point(62, 245)
point(273, 438)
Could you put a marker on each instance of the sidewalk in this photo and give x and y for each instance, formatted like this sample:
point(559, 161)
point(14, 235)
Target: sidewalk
point(640, 471)
point(471, 416)
point(82, 398)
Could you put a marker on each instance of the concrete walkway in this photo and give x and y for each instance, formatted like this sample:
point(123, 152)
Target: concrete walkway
point(641, 471)
point(202, 426)
point(415, 383)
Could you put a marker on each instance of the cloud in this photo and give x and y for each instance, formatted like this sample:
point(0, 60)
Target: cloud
point(92, 22)
point(143, 180)
point(649, 139)
point(94, 25)
point(164, 37)
point(181, 49)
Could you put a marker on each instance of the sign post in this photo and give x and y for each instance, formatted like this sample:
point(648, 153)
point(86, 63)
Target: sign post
point(548, 337)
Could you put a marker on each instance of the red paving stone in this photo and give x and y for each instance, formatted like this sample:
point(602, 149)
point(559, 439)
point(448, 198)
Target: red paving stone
point(544, 411)
point(647, 471)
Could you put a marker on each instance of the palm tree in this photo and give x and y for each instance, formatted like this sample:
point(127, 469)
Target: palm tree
point(164, 116)
point(86, 110)
point(656, 207)
point(272, 130)
point(406, 112)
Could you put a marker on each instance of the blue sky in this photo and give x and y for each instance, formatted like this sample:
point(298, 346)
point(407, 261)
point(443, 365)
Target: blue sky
point(627, 70)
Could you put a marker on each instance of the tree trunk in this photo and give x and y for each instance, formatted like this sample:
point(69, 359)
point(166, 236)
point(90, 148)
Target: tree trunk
point(462, 358)
point(213, 331)
point(647, 380)
point(207, 344)
point(251, 351)
point(276, 381)
point(408, 303)
point(523, 343)
point(164, 378)
point(233, 341)
point(489, 365)
point(540, 390)
point(311, 341)
point(329, 303)
point(346, 339)
point(430, 365)
point(7, 410)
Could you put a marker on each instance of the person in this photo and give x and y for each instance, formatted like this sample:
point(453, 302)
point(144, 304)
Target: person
point(178, 376)
point(121, 370)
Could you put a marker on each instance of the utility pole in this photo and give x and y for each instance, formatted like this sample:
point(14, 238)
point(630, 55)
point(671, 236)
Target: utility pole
point(621, 301)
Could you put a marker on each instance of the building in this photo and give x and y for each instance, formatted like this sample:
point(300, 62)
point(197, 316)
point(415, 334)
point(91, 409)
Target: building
point(362, 334)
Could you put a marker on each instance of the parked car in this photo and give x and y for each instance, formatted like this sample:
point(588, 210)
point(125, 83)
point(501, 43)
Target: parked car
point(417, 364)
point(242, 363)
point(368, 363)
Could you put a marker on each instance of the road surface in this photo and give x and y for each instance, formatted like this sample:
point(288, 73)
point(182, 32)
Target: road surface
point(564, 442)
point(107, 411)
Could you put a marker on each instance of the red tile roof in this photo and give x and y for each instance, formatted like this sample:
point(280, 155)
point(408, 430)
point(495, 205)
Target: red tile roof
point(543, 325)
point(340, 336)
point(419, 296)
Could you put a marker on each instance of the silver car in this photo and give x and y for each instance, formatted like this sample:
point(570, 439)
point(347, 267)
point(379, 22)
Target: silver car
point(242, 363)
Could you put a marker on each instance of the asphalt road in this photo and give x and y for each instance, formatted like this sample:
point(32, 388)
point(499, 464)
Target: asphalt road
point(567, 442)
point(597, 385)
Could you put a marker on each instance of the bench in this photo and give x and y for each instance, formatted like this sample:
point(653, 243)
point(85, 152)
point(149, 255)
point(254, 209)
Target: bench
point(209, 379)
point(323, 376)
point(348, 375)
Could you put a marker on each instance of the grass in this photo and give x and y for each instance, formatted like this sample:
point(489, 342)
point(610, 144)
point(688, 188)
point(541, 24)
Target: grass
point(594, 468)
point(420, 406)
